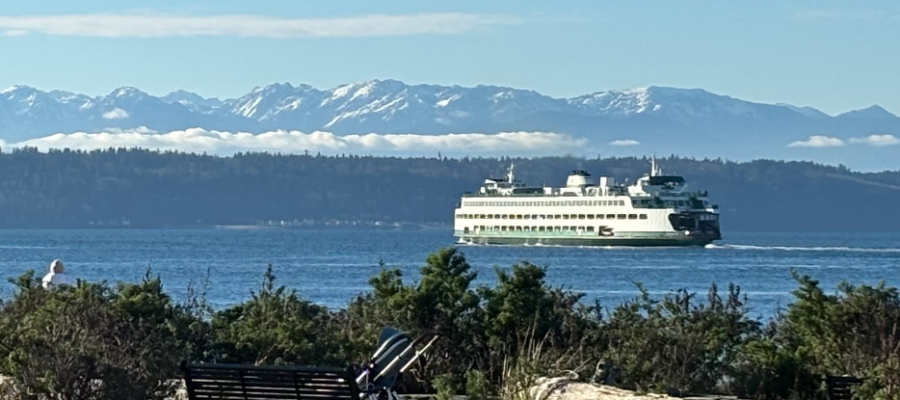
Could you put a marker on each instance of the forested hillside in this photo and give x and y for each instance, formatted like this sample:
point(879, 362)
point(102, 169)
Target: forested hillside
point(156, 189)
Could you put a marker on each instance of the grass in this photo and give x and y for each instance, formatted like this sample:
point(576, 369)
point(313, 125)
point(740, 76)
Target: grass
point(529, 373)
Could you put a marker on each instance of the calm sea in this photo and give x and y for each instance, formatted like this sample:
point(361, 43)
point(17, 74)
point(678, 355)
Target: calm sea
point(331, 265)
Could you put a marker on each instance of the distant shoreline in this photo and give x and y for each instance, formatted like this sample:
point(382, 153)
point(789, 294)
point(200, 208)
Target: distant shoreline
point(408, 226)
point(246, 227)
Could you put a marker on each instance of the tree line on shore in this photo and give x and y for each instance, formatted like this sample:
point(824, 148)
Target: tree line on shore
point(67, 188)
point(132, 336)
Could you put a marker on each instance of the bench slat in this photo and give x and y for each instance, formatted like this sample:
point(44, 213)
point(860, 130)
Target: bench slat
point(242, 395)
point(237, 388)
point(248, 382)
point(840, 387)
point(274, 387)
point(249, 393)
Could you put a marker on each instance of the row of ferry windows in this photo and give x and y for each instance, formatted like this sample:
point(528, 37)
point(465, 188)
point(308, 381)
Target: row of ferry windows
point(554, 216)
point(559, 203)
point(535, 228)
point(670, 203)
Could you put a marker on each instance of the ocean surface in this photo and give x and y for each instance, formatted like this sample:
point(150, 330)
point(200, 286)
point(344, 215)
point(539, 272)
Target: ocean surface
point(331, 265)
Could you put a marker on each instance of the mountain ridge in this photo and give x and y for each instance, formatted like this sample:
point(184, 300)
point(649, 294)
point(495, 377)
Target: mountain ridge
point(677, 120)
point(178, 94)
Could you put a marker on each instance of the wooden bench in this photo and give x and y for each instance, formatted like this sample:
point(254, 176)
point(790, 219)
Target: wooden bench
point(839, 387)
point(248, 382)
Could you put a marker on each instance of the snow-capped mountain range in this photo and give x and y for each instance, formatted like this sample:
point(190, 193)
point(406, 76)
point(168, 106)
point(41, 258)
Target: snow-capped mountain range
point(664, 115)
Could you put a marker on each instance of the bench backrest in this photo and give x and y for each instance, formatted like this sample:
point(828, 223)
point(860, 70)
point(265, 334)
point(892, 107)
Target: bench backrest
point(248, 382)
point(839, 387)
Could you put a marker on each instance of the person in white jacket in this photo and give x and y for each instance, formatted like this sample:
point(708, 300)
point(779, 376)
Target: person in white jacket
point(56, 276)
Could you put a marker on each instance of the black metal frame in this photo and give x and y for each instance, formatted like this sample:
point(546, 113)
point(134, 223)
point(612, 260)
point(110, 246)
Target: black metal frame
point(268, 379)
point(840, 387)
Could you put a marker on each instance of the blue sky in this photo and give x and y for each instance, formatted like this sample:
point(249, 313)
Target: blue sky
point(832, 55)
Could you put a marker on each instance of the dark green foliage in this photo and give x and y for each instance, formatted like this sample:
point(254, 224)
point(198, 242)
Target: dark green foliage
point(763, 368)
point(494, 340)
point(91, 342)
point(856, 331)
point(442, 302)
point(675, 344)
point(522, 309)
point(275, 327)
point(445, 387)
point(183, 326)
point(66, 188)
point(477, 387)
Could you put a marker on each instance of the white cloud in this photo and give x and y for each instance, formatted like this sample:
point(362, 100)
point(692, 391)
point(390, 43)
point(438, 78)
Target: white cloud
point(14, 32)
point(226, 143)
point(818, 141)
point(116, 113)
point(877, 140)
point(825, 141)
point(140, 129)
point(624, 143)
point(827, 14)
point(162, 25)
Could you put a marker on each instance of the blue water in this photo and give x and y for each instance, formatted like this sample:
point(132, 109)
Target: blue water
point(331, 265)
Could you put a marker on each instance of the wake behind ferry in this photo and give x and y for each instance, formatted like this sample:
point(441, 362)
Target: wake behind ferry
point(655, 210)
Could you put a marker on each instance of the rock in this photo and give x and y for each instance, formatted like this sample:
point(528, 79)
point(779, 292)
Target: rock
point(565, 388)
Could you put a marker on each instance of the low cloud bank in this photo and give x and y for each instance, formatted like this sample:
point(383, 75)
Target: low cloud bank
point(818, 141)
point(825, 141)
point(628, 142)
point(226, 143)
point(877, 140)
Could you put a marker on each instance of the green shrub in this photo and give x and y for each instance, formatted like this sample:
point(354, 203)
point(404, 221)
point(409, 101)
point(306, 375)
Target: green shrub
point(477, 387)
point(275, 326)
point(75, 343)
point(764, 369)
point(446, 387)
point(674, 345)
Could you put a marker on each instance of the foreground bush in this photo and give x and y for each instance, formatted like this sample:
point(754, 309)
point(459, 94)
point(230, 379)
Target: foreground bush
point(676, 345)
point(495, 340)
point(91, 342)
point(275, 327)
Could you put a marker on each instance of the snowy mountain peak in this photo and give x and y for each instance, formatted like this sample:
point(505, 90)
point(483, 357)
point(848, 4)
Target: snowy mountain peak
point(264, 102)
point(388, 84)
point(183, 95)
point(661, 100)
point(24, 98)
point(619, 102)
point(363, 90)
point(191, 99)
point(127, 91)
point(342, 90)
point(445, 102)
point(17, 88)
point(274, 88)
point(358, 90)
point(806, 111)
point(64, 96)
point(641, 90)
point(874, 111)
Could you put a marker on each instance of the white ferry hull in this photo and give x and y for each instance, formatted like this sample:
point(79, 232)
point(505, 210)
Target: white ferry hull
point(655, 210)
point(634, 239)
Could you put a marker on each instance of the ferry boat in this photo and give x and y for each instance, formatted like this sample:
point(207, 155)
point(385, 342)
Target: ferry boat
point(654, 210)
